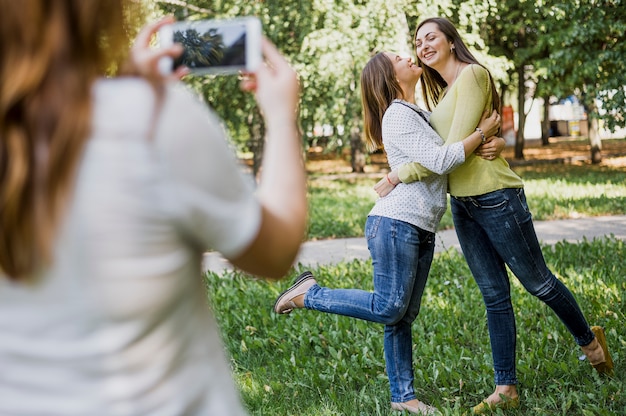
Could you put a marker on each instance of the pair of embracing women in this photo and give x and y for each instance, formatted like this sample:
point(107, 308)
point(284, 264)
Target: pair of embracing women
point(448, 149)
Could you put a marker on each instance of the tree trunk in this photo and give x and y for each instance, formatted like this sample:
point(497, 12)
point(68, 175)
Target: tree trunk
point(545, 123)
point(357, 154)
point(256, 128)
point(519, 137)
point(594, 140)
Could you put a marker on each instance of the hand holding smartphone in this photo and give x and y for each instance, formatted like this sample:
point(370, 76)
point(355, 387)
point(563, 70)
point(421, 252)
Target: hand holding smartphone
point(213, 46)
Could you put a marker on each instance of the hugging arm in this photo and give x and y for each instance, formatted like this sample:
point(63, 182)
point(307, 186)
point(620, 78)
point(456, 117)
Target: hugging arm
point(413, 171)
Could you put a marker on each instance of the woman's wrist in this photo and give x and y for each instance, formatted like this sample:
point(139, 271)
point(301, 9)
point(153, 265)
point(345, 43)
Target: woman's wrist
point(483, 139)
point(392, 178)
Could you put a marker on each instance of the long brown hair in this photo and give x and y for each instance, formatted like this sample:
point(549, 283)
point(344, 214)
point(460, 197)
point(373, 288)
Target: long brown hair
point(432, 82)
point(379, 87)
point(51, 52)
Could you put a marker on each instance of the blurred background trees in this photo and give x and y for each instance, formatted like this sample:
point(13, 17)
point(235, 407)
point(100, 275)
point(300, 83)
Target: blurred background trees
point(547, 49)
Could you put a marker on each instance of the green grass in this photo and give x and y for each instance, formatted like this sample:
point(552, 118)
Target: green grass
point(339, 207)
point(312, 364)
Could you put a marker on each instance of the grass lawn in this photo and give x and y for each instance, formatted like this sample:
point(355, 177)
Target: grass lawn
point(310, 363)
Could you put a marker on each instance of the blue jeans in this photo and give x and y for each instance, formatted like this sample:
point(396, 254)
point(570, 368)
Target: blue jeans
point(401, 255)
point(494, 230)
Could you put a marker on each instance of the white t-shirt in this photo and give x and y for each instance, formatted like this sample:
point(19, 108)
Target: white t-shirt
point(408, 137)
point(119, 324)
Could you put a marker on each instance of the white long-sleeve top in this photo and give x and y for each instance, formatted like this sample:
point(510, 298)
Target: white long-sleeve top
point(407, 137)
point(119, 323)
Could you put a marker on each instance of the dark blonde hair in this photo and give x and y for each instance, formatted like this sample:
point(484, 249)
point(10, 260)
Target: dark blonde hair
point(379, 87)
point(51, 52)
point(432, 82)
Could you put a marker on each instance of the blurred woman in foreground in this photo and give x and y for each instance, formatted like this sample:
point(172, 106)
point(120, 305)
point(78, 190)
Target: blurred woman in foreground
point(111, 189)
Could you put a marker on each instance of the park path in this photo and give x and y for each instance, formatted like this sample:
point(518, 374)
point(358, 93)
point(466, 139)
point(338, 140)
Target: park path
point(333, 251)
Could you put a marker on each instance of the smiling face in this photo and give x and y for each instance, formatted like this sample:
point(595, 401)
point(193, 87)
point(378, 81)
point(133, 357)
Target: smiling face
point(406, 70)
point(431, 46)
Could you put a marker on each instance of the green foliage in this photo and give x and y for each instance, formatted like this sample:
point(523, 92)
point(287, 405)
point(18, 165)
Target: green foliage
point(567, 47)
point(328, 42)
point(309, 363)
point(333, 54)
point(574, 47)
point(586, 55)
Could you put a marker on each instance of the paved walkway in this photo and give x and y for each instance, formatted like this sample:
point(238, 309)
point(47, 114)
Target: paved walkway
point(335, 251)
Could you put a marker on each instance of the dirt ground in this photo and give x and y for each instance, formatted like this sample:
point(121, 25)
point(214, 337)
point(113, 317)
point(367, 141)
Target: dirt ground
point(560, 150)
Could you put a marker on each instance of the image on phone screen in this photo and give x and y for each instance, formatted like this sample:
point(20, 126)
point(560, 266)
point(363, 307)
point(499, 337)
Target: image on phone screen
point(217, 46)
point(206, 48)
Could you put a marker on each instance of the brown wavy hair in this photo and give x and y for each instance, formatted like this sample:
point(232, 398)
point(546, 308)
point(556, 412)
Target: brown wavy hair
point(379, 87)
point(432, 83)
point(51, 52)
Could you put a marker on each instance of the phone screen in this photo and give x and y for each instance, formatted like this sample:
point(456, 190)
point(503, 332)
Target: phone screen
point(215, 46)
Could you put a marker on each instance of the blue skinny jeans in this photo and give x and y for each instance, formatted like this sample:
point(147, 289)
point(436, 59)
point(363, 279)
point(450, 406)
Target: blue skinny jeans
point(401, 255)
point(496, 230)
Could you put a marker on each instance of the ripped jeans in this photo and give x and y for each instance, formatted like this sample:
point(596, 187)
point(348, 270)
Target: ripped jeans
point(401, 255)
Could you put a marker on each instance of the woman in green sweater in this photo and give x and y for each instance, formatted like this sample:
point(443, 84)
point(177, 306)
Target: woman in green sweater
point(491, 216)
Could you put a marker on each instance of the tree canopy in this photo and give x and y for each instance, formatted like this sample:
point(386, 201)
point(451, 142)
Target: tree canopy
point(547, 47)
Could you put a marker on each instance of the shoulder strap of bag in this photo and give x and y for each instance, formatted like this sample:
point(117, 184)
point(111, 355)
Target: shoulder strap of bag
point(414, 109)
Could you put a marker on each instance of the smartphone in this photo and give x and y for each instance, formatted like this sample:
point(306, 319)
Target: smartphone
point(216, 46)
